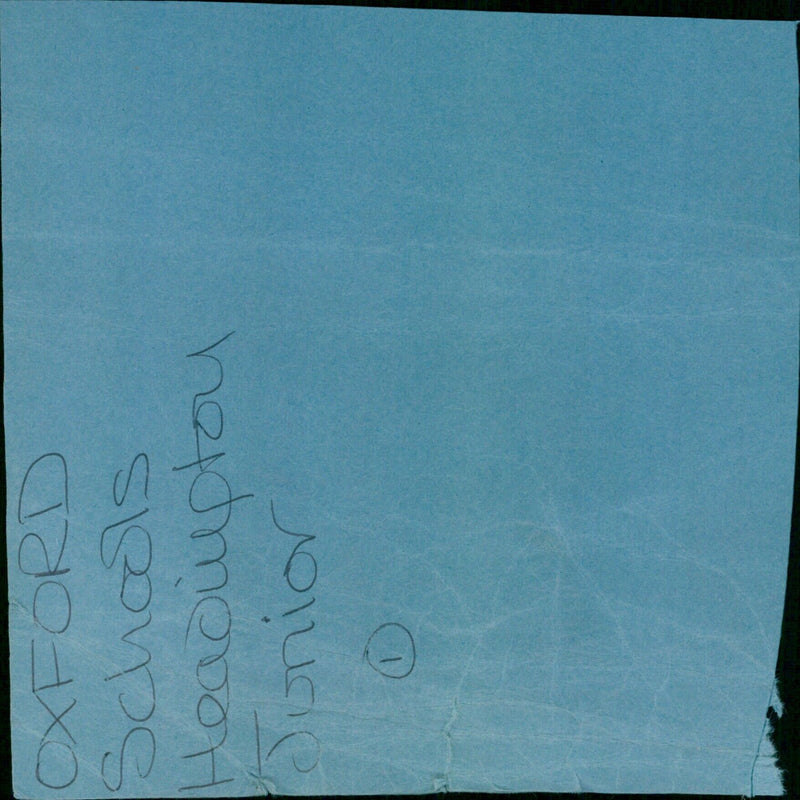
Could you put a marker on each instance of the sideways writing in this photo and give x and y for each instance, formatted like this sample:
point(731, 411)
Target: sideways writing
point(43, 511)
point(300, 574)
point(208, 629)
point(125, 545)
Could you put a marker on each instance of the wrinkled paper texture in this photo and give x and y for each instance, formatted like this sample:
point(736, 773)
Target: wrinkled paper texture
point(396, 401)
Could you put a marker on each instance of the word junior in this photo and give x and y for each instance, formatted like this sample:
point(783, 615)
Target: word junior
point(304, 747)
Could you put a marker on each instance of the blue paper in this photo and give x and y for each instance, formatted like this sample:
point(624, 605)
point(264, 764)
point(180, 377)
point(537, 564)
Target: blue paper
point(396, 401)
